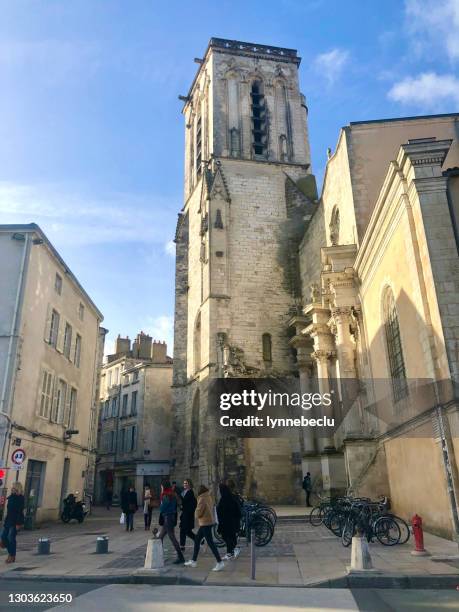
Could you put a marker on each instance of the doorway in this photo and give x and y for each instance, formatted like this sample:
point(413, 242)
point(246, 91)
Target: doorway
point(34, 482)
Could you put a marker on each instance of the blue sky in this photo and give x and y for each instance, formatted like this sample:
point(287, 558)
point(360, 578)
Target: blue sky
point(91, 135)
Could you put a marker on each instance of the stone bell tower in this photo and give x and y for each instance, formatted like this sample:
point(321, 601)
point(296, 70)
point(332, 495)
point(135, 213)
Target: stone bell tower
point(248, 194)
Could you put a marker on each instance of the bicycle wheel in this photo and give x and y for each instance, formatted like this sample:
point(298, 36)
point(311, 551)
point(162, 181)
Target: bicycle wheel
point(387, 531)
point(219, 541)
point(269, 513)
point(404, 529)
point(263, 530)
point(337, 522)
point(348, 532)
point(316, 516)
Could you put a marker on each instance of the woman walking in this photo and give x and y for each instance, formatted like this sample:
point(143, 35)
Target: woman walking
point(229, 521)
point(204, 514)
point(168, 516)
point(13, 521)
point(147, 506)
point(187, 517)
point(129, 506)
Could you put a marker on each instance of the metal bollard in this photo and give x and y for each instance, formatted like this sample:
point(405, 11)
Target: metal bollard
point(252, 553)
point(102, 545)
point(44, 546)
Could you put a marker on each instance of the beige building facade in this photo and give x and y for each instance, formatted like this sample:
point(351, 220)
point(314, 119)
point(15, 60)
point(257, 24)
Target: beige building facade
point(134, 432)
point(50, 354)
point(381, 318)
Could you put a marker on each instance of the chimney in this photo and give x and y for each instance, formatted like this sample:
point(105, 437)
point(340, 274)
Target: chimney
point(159, 352)
point(122, 345)
point(141, 347)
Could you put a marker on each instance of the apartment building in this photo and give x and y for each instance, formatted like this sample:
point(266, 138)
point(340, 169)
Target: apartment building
point(134, 417)
point(51, 346)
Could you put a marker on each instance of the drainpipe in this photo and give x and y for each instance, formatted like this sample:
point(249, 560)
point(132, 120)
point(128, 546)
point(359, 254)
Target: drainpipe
point(4, 402)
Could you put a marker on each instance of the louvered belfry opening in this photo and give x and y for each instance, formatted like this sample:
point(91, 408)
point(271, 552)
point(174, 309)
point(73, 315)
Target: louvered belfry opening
point(198, 146)
point(259, 132)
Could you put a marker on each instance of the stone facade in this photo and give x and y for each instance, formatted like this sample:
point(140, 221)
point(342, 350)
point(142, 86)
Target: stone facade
point(134, 431)
point(51, 347)
point(358, 290)
point(237, 238)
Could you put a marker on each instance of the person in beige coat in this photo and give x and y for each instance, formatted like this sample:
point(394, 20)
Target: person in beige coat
point(205, 516)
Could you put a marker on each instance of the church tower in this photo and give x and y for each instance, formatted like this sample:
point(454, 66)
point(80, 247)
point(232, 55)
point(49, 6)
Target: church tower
point(248, 192)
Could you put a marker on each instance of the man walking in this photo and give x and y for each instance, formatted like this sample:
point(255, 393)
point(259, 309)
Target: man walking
point(307, 486)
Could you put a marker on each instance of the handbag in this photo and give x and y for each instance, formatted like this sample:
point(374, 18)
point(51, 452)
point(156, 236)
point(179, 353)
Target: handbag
point(122, 518)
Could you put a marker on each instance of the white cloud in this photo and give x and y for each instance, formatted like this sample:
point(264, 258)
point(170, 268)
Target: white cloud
point(428, 90)
point(73, 218)
point(162, 328)
point(434, 23)
point(169, 248)
point(331, 64)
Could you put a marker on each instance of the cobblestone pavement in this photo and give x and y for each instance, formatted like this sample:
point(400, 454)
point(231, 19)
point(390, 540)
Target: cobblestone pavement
point(299, 554)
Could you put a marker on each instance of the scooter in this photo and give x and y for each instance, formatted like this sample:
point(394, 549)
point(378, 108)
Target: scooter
point(73, 509)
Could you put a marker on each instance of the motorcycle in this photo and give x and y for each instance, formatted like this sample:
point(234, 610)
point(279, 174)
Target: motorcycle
point(73, 509)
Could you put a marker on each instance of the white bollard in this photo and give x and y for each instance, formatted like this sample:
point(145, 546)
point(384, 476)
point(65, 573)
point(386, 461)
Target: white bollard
point(360, 556)
point(154, 559)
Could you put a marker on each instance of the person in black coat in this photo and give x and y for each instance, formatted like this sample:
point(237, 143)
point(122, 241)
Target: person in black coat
point(229, 520)
point(129, 506)
point(189, 504)
point(13, 520)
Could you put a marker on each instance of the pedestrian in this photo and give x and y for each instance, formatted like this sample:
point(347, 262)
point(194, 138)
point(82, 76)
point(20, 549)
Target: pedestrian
point(176, 488)
point(205, 515)
point(129, 506)
point(187, 516)
point(108, 497)
point(168, 518)
point(229, 521)
point(307, 486)
point(147, 506)
point(13, 521)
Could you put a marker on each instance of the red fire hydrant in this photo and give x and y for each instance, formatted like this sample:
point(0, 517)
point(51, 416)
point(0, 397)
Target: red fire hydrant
point(419, 550)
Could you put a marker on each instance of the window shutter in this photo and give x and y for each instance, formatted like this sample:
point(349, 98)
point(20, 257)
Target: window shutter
point(66, 419)
point(73, 409)
point(72, 346)
point(49, 395)
point(42, 394)
point(60, 337)
point(54, 405)
point(48, 323)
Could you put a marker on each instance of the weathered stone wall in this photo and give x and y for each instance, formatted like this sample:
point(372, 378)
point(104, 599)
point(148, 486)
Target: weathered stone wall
point(309, 252)
point(241, 280)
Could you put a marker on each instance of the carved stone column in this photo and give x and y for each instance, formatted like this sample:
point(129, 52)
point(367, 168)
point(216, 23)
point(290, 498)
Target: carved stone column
point(305, 368)
point(322, 358)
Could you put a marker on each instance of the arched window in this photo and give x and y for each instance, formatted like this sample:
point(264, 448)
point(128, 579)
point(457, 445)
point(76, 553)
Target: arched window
point(267, 347)
point(195, 426)
point(197, 344)
point(259, 131)
point(394, 347)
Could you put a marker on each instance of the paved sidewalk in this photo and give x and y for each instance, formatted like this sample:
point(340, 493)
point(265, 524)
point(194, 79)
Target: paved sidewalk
point(298, 555)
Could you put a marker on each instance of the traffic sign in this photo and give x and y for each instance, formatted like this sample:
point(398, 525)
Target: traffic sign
point(17, 467)
point(18, 456)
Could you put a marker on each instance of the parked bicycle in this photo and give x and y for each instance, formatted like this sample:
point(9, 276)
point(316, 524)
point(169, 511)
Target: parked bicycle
point(347, 516)
point(256, 516)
